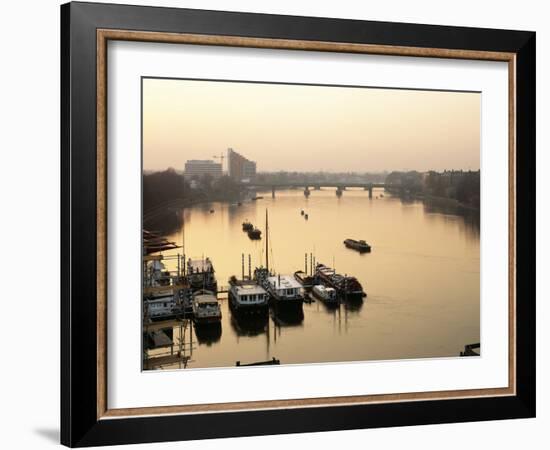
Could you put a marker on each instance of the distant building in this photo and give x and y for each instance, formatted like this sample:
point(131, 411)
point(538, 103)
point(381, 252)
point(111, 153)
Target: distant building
point(239, 168)
point(200, 167)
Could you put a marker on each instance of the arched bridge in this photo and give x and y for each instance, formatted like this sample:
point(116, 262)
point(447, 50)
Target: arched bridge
point(308, 186)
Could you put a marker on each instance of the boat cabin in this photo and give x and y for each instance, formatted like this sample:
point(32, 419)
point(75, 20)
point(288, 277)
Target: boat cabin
point(284, 286)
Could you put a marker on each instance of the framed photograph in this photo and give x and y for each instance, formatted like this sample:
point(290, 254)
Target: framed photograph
point(277, 224)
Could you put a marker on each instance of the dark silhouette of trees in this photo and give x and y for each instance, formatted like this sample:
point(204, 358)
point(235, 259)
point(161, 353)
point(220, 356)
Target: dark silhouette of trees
point(162, 187)
point(458, 185)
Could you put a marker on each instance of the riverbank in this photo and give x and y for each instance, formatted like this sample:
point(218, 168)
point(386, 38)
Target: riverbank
point(446, 202)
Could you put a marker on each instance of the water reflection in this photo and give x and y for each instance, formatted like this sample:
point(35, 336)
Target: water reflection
point(246, 325)
point(287, 317)
point(208, 333)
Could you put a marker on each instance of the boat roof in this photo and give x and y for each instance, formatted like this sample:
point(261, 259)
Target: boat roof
point(205, 298)
point(249, 289)
point(159, 298)
point(200, 265)
point(286, 282)
point(322, 287)
point(325, 269)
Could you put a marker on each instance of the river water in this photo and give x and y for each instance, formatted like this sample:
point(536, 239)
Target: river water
point(421, 278)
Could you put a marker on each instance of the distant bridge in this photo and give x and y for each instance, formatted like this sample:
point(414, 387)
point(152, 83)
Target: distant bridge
point(308, 186)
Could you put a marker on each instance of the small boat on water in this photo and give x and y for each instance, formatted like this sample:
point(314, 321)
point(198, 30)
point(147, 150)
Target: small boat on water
point(346, 287)
point(326, 294)
point(206, 309)
point(247, 226)
point(304, 279)
point(255, 234)
point(247, 297)
point(359, 245)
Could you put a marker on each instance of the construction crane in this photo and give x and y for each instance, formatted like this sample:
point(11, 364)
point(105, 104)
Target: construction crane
point(221, 158)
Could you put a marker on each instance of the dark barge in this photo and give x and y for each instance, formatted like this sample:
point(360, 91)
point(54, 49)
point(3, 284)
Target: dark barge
point(360, 245)
point(347, 287)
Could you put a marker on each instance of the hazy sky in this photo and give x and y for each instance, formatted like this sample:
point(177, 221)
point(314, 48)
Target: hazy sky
point(309, 128)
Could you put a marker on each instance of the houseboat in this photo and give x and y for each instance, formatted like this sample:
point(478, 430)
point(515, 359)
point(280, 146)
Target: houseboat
point(346, 287)
point(361, 246)
point(206, 309)
point(284, 290)
point(247, 297)
point(201, 274)
point(326, 294)
point(160, 305)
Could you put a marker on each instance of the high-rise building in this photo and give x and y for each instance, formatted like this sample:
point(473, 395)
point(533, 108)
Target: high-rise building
point(200, 167)
point(240, 168)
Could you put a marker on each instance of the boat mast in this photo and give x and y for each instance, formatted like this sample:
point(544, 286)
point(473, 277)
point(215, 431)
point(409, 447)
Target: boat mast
point(182, 240)
point(266, 243)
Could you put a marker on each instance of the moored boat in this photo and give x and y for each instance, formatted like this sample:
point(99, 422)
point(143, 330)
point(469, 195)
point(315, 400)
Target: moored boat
point(326, 294)
point(201, 274)
point(206, 309)
point(359, 245)
point(247, 226)
point(255, 234)
point(347, 287)
point(160, 305)
point(247, 297)
point(284, 290)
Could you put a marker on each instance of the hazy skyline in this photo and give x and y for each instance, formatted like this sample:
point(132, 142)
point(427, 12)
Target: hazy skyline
point(309, 128)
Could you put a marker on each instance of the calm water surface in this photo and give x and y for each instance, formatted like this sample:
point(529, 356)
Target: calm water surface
point(421, 279)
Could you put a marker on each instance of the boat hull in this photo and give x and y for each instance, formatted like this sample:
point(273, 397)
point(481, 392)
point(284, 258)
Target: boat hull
point(358, 247)
point(287, 303)
point(209, 320)
point(259, 309)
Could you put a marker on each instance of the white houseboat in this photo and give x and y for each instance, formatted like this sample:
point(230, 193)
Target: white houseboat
point(161, 303)
point(161, 306)
point(326, 294)
point(247, 297)
point(206, 309)
point(284, 290)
